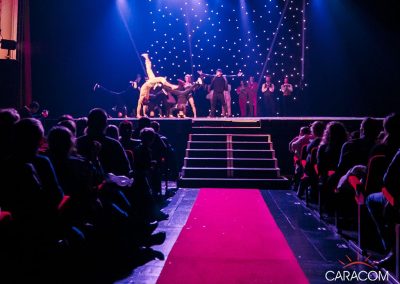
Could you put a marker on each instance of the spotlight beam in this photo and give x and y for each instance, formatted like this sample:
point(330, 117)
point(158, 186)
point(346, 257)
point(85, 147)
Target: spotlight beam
point(303, 42)
point(124, 20)
point(273, 42)
point(188, 29)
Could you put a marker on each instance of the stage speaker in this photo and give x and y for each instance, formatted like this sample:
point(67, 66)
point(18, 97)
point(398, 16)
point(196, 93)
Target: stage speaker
point(9, 83)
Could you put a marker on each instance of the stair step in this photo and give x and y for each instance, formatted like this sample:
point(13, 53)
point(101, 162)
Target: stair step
point(218, 122)
point(235, 145)
point(237, 163)
point(230, 172)
point(235, 137)
point(278, 183)
point(227, 130)
point(223, 153)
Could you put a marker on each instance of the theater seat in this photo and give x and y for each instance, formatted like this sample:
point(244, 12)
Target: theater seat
point(377, 167)
point(5, 217)
point(62, 206)
point(130, 156)
point(303, 156)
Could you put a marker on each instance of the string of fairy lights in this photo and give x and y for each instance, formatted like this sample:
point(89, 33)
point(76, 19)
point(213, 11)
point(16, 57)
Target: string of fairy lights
point(198, 35)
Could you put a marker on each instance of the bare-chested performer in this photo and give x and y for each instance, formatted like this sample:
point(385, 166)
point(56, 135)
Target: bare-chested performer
point(152, 82)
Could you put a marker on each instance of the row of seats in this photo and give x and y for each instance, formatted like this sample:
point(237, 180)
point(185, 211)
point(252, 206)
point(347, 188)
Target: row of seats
point(347, 181)
point(78, 204)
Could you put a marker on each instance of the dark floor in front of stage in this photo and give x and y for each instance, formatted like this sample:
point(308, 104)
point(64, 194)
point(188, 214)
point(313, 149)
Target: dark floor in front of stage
point(316, 247)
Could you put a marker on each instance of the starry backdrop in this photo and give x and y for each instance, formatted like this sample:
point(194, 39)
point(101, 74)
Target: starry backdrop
point(183, 37)
point(349, 52)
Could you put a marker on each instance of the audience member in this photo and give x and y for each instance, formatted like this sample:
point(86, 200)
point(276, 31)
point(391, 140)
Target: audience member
point(111, 154)
point(76, 175)
point(112, 132)
point(328, 155)
point(305, 137)
point(357, 151)
point(8, 117)
point(81, 124)
point(386, 214)
point(391, 141)
point(125, 132)
point(30, 111)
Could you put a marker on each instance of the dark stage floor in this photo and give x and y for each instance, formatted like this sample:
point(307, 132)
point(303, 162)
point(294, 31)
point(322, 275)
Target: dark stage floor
point(316, 247)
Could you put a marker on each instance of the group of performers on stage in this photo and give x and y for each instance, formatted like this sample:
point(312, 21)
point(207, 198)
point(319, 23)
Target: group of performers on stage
point(158, 97)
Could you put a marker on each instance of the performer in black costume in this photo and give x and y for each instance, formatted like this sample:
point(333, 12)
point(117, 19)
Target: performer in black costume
point(183, 97)
point(125, 104)
point(219, 84)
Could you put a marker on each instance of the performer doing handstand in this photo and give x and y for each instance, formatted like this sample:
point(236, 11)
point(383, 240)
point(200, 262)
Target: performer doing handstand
point(152, 82)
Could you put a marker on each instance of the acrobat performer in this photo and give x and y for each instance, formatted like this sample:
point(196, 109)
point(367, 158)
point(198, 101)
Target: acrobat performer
point(151, 83)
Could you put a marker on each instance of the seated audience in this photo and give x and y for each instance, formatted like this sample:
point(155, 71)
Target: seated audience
point(125, 132)
point(112, 132)
point(357, 151)
point(111, 154)
point(328, 155)
point(170, 164)
point(30, 111)
point(159, 153)
point(8, 117)
point(145, 166)
point(30, 187)
point(304, 137)
point(81, 124)
point(76, 175)
point(391, 141)
point(310, 177)
point(69, 124)
point(385, 214)
point(317, 132)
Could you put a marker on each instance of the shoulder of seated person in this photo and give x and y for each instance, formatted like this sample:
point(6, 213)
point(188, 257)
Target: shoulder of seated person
point(42, 159)
point(77, 159)
point(111, 140)
point(82, 138)
point(322, 146)
point(10, 165)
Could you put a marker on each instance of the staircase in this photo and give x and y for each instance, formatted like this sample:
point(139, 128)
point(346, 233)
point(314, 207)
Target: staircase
point(230, 154)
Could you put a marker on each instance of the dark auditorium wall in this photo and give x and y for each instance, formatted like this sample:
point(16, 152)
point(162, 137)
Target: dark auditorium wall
point(72, 49)
point(353, 61)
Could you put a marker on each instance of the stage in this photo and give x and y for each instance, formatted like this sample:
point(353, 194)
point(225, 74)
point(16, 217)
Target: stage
point(281, 129)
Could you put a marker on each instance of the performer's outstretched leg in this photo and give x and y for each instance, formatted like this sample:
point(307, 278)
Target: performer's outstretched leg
point(183, 93)
point(147, 62)
point(152, 77)
point(150, 83)
point(193, 106)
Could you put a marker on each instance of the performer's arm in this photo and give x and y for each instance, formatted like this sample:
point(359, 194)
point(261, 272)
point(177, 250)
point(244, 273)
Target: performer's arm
point(264, 88)
point(99, 87)
point(290, 87)
point(181, 83)
point(272, 88)
point(204, 74)
point(140, 106)
point(240, 74)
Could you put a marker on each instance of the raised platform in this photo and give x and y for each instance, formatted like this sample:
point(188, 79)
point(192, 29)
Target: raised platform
point(230, 153)
point(282, 129)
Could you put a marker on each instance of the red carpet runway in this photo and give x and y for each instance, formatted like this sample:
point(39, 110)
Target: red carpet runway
point(231, 237)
